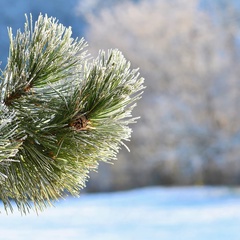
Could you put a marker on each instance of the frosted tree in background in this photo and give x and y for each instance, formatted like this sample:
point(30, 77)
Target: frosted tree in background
point(190, 58)
point(60, 113)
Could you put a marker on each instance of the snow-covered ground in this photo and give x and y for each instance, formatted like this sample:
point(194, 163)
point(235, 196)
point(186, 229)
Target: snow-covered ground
point(144, 214)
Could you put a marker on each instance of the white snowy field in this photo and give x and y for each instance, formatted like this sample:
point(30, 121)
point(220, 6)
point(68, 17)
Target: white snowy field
point(145, 214)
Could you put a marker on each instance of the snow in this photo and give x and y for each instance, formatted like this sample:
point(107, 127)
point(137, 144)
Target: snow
point(149, 213)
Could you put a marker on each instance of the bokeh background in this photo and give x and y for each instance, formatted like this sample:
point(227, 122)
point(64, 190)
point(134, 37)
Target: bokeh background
point(188, 51)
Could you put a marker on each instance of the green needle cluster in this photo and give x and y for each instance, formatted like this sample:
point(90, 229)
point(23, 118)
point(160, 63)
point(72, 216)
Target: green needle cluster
point(61, 112)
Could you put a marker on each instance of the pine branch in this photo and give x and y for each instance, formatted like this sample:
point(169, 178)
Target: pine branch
point(60, 113)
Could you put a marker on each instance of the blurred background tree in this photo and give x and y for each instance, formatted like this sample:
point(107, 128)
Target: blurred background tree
point(188, 52)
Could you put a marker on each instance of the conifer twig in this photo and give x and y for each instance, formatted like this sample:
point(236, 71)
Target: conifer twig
point(60, 113)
